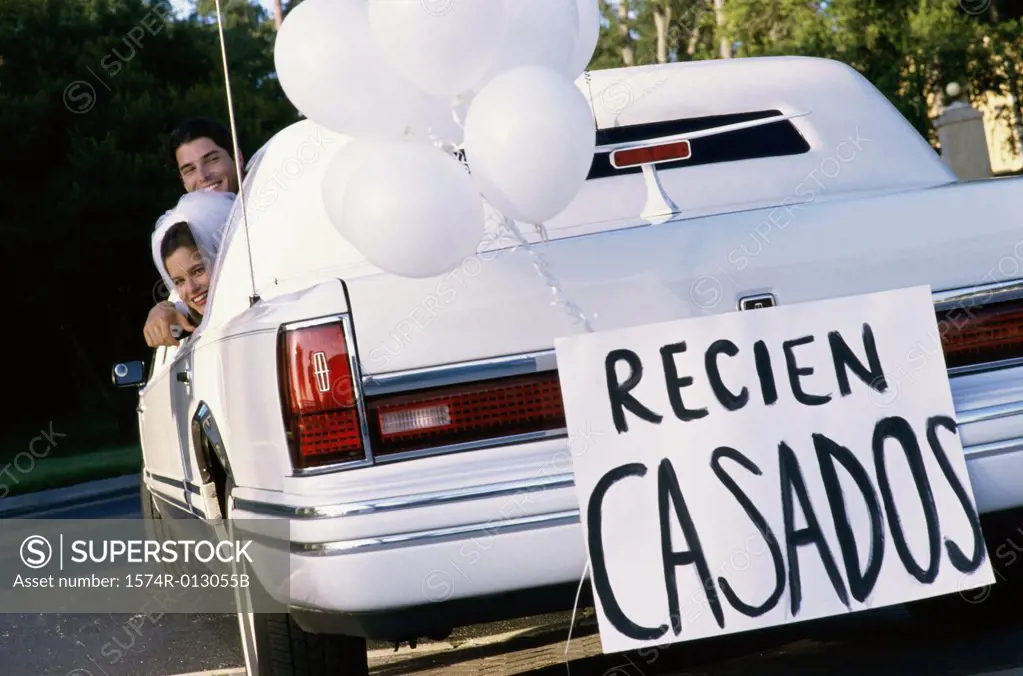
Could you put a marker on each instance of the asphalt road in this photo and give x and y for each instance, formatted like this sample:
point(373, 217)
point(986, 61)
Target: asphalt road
point(877, 643)
point(880, 643)
point(116, 645)
point(116, 507)
point(883, 642)
point(116, 498)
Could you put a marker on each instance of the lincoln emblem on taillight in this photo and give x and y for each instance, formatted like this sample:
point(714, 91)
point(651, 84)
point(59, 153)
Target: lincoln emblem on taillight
point(321, 371)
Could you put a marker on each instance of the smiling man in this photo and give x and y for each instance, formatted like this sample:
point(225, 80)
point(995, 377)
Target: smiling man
point(201, 151)
point(202, 154)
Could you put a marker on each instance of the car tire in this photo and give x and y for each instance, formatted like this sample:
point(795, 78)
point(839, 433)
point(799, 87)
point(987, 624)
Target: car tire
point(156, 527)
point(984, 608)
point(148, 506)
point(290, 651)
point(274, 644)
point(970, 612)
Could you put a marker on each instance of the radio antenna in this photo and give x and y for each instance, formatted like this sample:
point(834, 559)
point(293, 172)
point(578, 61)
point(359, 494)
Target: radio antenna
point(253, 299)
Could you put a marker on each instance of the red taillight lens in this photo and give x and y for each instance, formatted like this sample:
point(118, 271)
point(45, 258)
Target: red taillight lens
point(321, 415)
point(466, 413)
point(981, 334)
point(634, 157)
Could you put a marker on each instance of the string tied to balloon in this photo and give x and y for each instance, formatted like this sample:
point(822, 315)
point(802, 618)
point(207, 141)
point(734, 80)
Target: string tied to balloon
point(508, 227)
point(575, 607)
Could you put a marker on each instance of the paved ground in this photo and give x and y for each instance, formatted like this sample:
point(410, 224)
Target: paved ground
point(880, 643)
point(116, 498)
point(116, 645)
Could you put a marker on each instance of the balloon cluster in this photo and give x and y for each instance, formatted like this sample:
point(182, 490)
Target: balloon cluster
point(427, 88)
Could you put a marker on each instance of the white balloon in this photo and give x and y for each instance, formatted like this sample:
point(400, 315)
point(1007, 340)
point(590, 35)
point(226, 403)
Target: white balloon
point(586, 37)
point(436, 116)
point(537, 33)
point(442, 46)
point(342, 167)
point(332, 70)
point(411, 209)
point(529, 141)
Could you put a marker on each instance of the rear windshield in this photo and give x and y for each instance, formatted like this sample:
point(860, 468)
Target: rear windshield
point(771, 140)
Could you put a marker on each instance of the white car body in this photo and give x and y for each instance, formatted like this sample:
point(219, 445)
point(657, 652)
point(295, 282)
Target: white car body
point(401, 546)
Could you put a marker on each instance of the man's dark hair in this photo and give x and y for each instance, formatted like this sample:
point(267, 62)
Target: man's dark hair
point(198, 127)
point(177, 236)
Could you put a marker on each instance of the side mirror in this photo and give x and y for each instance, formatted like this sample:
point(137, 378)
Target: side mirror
point(129, 374)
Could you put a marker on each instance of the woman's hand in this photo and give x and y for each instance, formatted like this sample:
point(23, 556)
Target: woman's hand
point(158, 325)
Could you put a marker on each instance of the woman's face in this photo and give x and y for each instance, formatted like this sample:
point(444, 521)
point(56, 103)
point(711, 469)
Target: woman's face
point(191, 279)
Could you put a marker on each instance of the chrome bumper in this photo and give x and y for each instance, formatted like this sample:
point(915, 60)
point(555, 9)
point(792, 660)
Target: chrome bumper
point(989, 412)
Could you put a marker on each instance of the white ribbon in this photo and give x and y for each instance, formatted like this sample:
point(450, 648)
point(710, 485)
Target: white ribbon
point(507, 226)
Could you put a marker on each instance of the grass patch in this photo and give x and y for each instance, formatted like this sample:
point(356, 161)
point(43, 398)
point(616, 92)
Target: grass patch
point(67, 470)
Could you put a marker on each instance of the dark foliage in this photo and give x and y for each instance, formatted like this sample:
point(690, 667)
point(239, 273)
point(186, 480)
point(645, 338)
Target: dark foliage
point(89, 92)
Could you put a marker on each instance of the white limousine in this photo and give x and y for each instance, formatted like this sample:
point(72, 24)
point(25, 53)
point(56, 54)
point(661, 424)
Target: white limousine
point(413, 430)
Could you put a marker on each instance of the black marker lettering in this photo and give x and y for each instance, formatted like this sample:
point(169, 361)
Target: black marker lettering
point(897, 428)
point(795, 372)
point(845, 360)
point(669, 493)
point(618, 393)
point(860, 583)
point(732, 402)
point(792, 481)
point(760, 522)
point(955, 554)
point(675, 384)
point(765, 373)
point(598, 564)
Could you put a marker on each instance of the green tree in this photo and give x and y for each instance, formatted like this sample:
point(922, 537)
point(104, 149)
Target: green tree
point(909, 49)
point(89, 91)
point(608, 52)
point(673, 30)
point(1001, 28)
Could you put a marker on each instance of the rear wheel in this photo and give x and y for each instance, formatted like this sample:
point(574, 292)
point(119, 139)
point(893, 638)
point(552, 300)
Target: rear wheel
point(274, 645)
point(970, 611)
point(286, 650)
point(984, 608)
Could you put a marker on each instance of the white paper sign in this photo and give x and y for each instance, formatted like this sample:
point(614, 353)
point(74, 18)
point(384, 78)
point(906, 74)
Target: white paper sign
point(764, 467)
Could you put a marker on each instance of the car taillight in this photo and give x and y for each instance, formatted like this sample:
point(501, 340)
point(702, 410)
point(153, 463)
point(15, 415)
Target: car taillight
point(982, 334)
point(321, 413)
point(466, 413)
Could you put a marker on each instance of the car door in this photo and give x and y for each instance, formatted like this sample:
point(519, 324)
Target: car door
point(182, 397)
point(157, 428)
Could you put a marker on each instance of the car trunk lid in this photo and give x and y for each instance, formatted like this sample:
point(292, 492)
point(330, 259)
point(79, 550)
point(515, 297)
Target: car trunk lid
point(503, 302)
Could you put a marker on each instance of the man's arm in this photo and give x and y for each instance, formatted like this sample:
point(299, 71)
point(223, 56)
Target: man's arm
point(159, 323)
